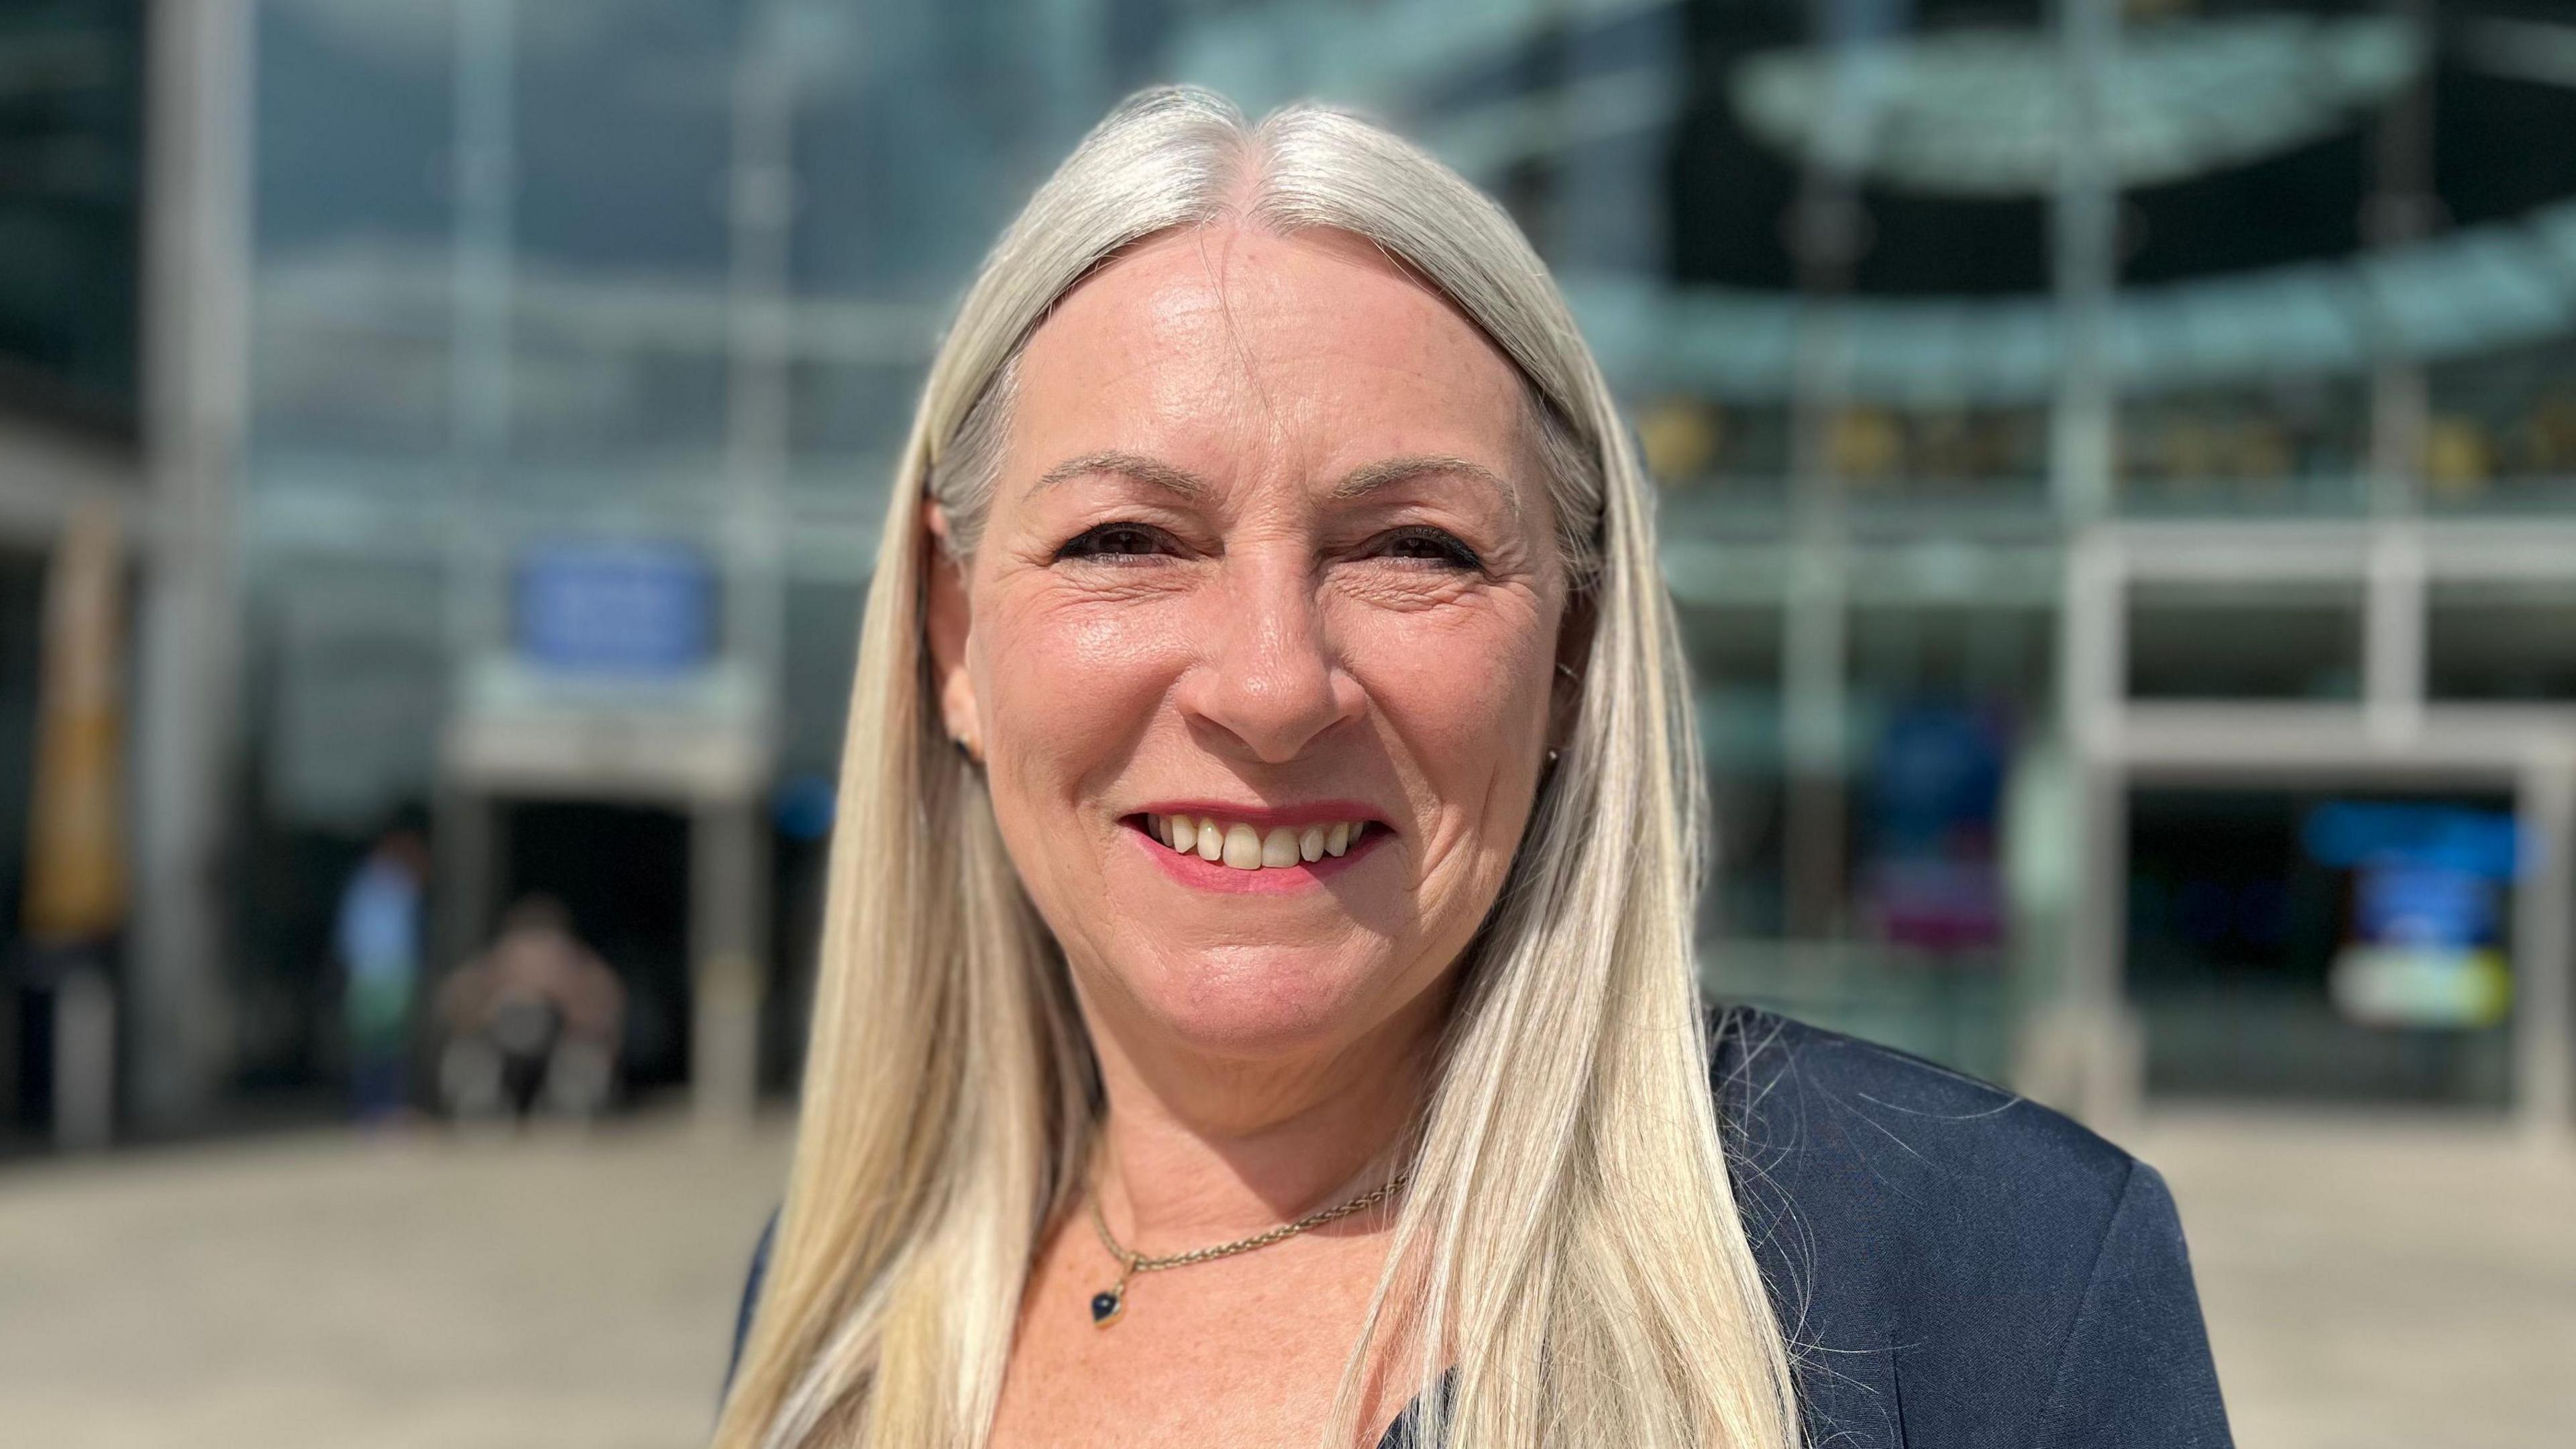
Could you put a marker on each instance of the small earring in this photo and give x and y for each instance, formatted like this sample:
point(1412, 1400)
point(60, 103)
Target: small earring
point(1551, 754)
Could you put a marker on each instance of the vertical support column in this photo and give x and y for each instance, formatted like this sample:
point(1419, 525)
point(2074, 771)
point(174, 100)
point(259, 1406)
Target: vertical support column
point(468, 851)
point(1828, 232)
point(729, 851)
point(2393, 634)
point(2402, 209)
point(2544, 929)
point(2083, 1051)
point(196, 286)
point(482, 281)
point(2093, 643)
point(728, 913)
point(1815, 708)
point(759, 341)
point(2110, 1066)
point(2084, 235)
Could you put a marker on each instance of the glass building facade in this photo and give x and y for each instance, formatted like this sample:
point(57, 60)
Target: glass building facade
point(71, 210)
point(2098, 442)
point(71, 207)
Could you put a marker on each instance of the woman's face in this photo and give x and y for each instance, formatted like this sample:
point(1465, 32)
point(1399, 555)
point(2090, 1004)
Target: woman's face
point(1270, 553)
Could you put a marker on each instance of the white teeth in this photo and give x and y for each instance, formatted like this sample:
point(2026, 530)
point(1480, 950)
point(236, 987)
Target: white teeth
point(1243, 847)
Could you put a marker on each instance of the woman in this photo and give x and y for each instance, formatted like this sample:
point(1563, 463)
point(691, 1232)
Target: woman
point(1258, 1004)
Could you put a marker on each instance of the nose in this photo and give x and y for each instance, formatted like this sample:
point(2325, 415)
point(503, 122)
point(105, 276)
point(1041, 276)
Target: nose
point(1267, 675)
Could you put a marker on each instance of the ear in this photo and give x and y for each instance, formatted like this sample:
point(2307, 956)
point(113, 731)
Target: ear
point(947, 621)
point(1573, 656)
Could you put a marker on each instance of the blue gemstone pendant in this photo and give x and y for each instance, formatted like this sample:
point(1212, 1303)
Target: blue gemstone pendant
point(1107, 1305)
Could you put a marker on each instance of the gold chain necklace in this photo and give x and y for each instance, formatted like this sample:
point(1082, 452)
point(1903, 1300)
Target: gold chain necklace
point(1110, 1302)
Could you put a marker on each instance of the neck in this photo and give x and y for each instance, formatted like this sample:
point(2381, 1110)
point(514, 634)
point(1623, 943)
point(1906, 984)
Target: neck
point(1195, 1148)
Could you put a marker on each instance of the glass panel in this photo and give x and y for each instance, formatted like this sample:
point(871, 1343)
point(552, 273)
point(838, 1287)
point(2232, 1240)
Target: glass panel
point(326, 378)
point(624, 135)
point(2252, 642)
point(70, 191)
point(822, 650)
point(2283, 448)
point(2502, 434)
point(1735, 664)
point(353, 652)
point(852, 415)
point(2501, 641)
point(1944, 698)
point(600, 417)
point(354, 213)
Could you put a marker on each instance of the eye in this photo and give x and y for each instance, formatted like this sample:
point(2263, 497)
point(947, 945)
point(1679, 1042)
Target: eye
point(1115, 541)
point(1428, 545)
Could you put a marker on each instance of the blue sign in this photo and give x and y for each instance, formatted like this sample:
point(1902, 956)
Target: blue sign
point(615, 608)
point(2406, 903)
point(2349, 833)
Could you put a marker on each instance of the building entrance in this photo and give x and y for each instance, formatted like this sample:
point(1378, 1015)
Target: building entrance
point(622, 872)
point(2322, 945)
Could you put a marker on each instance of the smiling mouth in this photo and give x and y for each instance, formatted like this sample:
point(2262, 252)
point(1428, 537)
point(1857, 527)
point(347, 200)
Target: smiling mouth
point(1245, 847)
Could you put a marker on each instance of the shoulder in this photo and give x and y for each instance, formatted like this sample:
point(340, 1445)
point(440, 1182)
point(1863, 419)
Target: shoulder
point(1955, 1258)
point(1900, 1130)
point(750, 1302)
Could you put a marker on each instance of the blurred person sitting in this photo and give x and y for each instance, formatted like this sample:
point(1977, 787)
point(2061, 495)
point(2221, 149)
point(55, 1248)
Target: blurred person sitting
point(534, 1022)
point(377, 940)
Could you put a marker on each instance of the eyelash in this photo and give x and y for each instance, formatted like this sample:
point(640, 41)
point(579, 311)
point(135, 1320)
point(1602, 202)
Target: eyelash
point(1451, 552)
point(1085, 544)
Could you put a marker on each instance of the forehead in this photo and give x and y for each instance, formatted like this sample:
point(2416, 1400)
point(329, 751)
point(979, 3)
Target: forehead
point(1314, 348)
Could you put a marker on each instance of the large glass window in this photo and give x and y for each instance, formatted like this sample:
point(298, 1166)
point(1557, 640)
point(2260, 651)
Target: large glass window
point(71, 127)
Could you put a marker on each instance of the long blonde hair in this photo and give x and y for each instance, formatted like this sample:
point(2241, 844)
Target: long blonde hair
point(1569, 1242)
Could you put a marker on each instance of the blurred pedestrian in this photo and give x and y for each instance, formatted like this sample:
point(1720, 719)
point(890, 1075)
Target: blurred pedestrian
point(533, 1023)
point(378, 941)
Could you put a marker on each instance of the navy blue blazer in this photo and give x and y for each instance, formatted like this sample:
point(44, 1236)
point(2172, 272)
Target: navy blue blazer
point(1955, 1267)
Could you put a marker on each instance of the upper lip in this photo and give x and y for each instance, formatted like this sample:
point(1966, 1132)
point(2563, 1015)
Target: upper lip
point(1266, 817)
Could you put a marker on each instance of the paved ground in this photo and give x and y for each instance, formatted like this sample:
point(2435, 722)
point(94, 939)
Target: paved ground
point(2378, 1285)
point(2406, 1286)
point(351, 1294)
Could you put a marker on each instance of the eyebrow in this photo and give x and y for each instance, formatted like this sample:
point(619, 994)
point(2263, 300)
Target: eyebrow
point(1388, 472)
point(1358, 483)
point(1151, 471)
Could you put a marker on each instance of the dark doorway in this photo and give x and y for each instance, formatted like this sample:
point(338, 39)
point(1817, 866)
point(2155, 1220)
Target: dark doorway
point(623, 872)
point(26, 1003)
point(2242, 909)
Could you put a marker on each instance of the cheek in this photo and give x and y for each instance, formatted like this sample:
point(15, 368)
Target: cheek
point(1065, 691)
point(1467, 695)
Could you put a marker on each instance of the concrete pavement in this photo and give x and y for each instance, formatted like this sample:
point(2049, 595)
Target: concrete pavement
point(2370, 1285)
point(419, 1293)
point(2381, 1283)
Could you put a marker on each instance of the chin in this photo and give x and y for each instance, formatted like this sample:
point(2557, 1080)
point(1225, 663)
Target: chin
point(1264, 1002)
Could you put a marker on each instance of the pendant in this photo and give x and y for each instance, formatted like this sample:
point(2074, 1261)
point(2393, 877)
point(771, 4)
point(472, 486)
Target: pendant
point(1107, 1304)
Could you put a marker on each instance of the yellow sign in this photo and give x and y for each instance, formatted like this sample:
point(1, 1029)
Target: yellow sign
point(76, 880)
